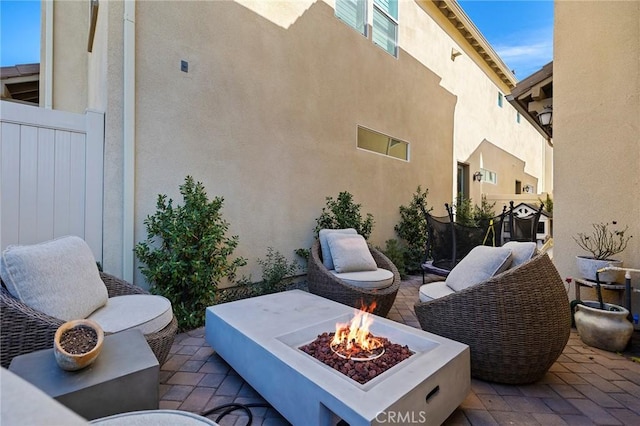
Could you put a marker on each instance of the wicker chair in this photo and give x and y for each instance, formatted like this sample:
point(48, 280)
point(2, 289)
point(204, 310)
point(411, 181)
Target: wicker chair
point(516, 323)
point(26, 330)
point(323, 283)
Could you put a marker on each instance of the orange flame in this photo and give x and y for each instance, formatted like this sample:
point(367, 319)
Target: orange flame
point(355, 334)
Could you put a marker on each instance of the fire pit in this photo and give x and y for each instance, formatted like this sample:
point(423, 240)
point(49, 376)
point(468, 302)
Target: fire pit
point(354, 351)
point(261, 338)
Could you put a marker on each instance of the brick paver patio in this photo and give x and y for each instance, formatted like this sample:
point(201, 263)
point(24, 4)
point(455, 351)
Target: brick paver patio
point(586, 386)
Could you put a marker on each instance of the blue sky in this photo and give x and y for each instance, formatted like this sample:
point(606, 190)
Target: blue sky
point(521, 32)
point(19, 32)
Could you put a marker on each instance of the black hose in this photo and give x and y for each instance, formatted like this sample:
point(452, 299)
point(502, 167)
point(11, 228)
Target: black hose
point(230, 408)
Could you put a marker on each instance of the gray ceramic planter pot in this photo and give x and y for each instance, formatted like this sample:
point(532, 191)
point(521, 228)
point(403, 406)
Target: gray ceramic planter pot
point(588, 266)
point(605, 329)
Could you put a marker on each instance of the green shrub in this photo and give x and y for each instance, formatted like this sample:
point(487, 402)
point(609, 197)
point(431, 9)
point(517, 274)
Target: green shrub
point(464, 211)
point(468, 214)
point(186, 253)
point(344, 213)
point(304, 253)
point(483, 213)
point(276, 271)
point(412, 229)
point(396, 254)
point(548, 204)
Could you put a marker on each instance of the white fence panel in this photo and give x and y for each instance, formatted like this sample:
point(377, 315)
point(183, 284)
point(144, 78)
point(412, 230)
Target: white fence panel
point(51, 171)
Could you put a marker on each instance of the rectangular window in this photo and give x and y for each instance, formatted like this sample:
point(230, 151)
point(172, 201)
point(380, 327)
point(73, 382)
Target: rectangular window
point(518, 117)
point(489, 176)
point(385, 25)
point(353, 13)
point(500, 96)
point(382, 144)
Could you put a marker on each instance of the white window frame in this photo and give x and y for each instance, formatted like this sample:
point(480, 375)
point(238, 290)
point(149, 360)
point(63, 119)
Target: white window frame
point(391, 141)
point(370, 8)
point(394, 21)
point(489, 176)
point(364, 31)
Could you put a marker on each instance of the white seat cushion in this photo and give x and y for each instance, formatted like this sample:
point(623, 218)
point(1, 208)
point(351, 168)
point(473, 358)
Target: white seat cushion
point(370, 280)
point(350, 253)
point(145, 312)
point(434, 291)
point(59, 278)
point(521, 251)
point(480, 264)
point(327, 260)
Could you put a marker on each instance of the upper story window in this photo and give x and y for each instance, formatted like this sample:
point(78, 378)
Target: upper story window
point(353, 13)
point(385, 21)
point(385, 25)
point(489, 176)
point(500, 99)
point(382, 144)
point(518, 117)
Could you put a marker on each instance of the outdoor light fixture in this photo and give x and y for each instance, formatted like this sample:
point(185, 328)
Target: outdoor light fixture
point(477, 176)
point(545, 116)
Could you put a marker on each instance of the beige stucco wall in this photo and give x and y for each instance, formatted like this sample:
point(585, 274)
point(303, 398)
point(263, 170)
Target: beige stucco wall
point(508, 168)
point(478, 116)
point(267, 114)
point(70, 36)
point(596, 124)
point(267, 117)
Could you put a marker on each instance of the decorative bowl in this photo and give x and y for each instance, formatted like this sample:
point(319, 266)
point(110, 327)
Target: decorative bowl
point(77, 344)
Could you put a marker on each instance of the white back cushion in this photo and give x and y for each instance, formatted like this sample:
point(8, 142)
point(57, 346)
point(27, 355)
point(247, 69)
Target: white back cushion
point(480, 264)
point(350, 253)
point(521, 251)
point(59, 278)
point(327, 260)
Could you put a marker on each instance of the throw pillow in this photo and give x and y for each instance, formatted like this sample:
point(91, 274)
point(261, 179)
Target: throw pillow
point(59, 278)
point(350, 253)
point(327, 260)
point(480, 264)
point(521, 251)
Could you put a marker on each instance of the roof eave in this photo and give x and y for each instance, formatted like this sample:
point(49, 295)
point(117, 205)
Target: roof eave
point(454, 13)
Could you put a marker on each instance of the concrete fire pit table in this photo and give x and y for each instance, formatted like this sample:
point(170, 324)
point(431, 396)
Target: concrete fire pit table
point(260, 338)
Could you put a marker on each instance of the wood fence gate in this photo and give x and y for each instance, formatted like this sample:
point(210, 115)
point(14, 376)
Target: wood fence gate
point(51, 175)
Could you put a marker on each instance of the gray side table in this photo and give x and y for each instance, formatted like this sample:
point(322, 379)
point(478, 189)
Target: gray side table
point(123, 378)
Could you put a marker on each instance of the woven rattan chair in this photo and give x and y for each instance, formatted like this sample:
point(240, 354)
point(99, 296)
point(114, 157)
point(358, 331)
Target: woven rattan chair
point(516, 323)
point(323, 283)
point(25, 330)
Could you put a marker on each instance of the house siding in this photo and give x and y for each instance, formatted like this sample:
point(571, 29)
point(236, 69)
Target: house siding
point(596, 127)
point(267, 115)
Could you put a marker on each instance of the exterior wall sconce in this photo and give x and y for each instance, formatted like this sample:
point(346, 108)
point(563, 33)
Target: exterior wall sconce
point(477, 176)
point(546, 116)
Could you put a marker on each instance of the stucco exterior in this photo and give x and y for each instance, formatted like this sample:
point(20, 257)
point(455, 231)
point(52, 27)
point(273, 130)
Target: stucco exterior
point(596, 125)
point(267, 115)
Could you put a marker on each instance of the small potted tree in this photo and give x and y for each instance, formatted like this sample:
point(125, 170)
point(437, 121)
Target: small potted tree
point(603, 243)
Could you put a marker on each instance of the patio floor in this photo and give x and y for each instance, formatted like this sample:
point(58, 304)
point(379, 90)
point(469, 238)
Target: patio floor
point(585, 386)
